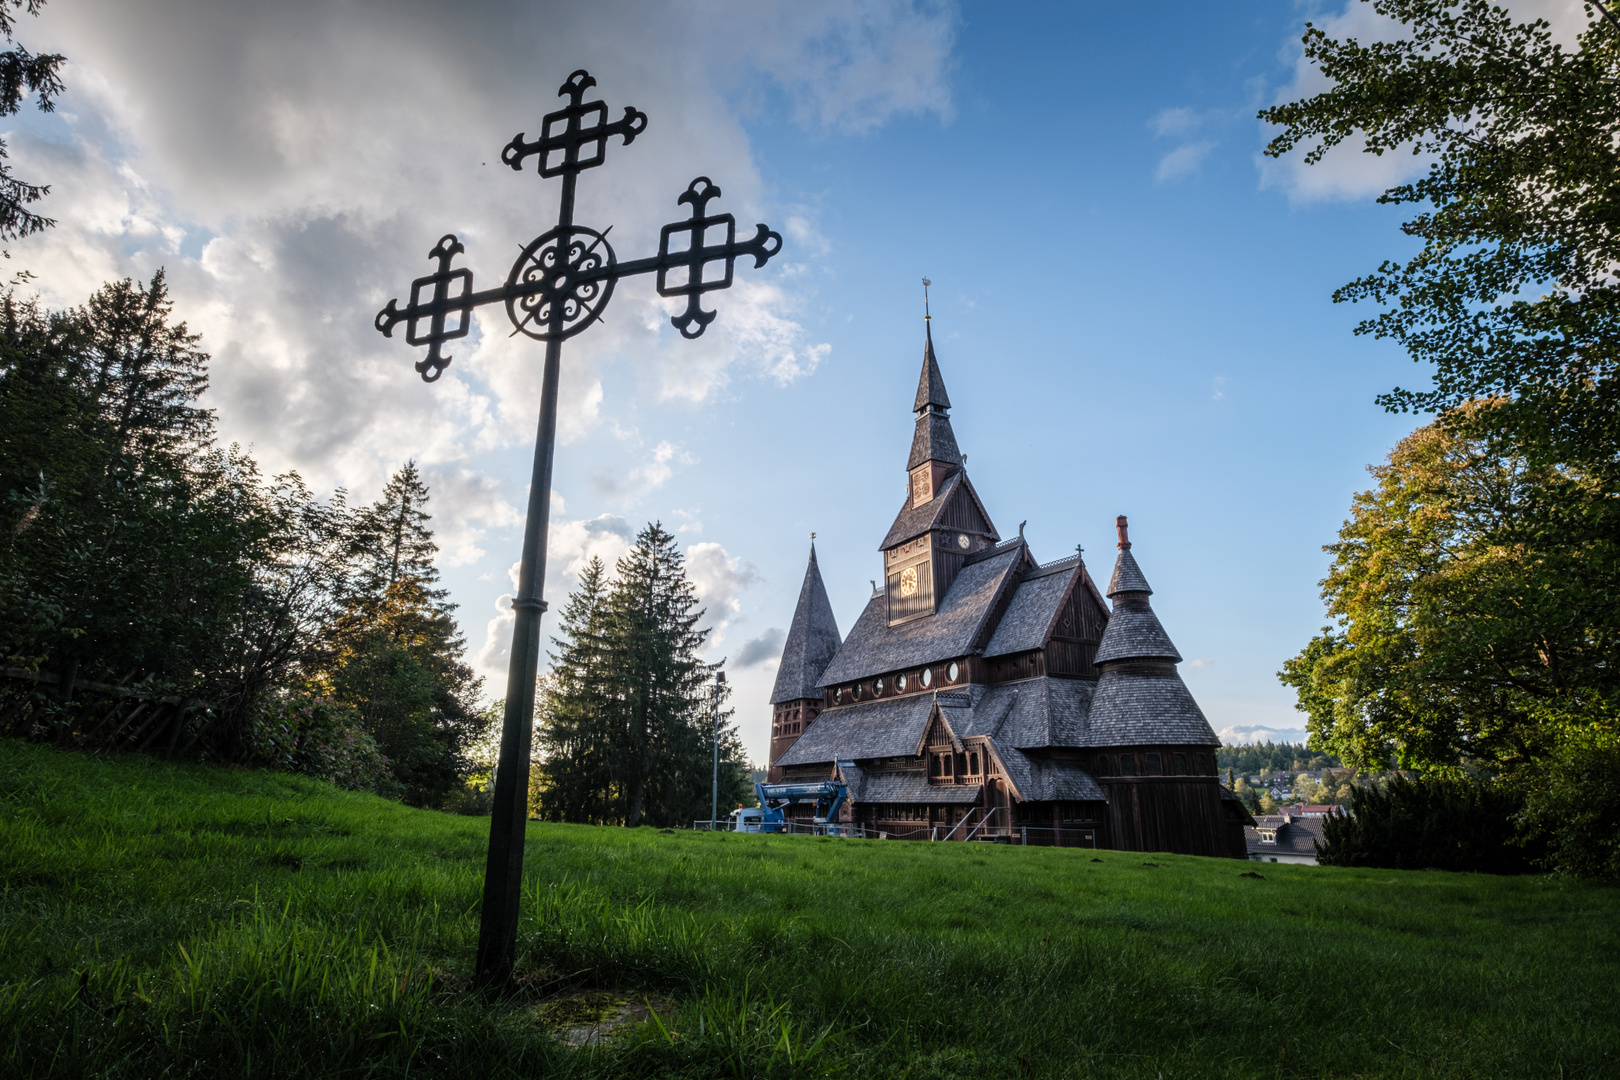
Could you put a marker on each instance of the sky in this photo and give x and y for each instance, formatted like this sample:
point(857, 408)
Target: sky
point(1131, 304)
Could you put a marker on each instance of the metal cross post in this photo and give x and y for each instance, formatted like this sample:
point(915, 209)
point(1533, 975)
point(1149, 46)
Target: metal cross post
point(714, 788)
point(557, 287)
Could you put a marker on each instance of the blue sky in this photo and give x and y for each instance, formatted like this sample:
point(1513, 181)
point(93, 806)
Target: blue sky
point(1131, 307)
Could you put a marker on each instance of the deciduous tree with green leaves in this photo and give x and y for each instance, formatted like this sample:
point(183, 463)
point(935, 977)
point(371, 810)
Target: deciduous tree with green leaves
point(1477, 585)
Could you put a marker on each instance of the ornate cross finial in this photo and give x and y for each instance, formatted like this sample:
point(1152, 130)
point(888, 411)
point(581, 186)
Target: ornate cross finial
point(926, 316)
point(564, 278)
point(559, 285)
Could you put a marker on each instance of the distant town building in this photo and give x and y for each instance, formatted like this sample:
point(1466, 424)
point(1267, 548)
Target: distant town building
point(1283, 838)
point(983, 694)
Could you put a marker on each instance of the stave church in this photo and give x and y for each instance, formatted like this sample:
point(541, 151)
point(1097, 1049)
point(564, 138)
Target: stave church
point(984, 695)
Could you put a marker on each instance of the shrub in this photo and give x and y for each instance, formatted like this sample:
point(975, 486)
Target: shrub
point(1575, 803)
point(1434, 823)
point(318, 737)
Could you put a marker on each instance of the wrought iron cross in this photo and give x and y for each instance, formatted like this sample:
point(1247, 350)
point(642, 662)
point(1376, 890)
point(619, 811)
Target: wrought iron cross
point(557, 287)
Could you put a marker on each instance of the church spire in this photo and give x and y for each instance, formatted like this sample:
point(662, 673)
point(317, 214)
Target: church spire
point(933, 440)
point(811, 641)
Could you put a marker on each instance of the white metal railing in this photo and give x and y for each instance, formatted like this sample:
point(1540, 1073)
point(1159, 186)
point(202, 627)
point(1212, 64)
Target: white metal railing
point(802, 828)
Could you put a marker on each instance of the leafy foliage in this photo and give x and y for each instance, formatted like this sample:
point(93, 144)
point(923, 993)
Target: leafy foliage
point(627, 722)
point(1477, 586)
point(1466, 632)
point(1513, 293)
point(1435, 823)
point(317, 737)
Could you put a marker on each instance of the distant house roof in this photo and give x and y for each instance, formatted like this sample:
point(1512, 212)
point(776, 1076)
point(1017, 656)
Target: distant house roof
point(1282, 834)
point(874, 647)
point(812, 641)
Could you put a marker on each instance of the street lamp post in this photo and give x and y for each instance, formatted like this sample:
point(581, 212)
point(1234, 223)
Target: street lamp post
point(714, 786)
point(558, 286)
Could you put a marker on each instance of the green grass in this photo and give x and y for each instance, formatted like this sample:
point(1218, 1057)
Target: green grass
point(174, 920)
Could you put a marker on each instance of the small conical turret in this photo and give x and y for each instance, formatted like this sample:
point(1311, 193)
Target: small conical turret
point(1133, 632)
point(811, 641)
point(1127, 575)
point(1140, 699)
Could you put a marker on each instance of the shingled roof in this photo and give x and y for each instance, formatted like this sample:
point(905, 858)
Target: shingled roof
point(1034, 609)
point(1127, 576)
point(874, 647)
point(931, 385)
point(884, 728)
point(903, 787)
point(1039, 779)
point(913, 521)
point(1132, 709)
point(812, 640)
point(1135, 634)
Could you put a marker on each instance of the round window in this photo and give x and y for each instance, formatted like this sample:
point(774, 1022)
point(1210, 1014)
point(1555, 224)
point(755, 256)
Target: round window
point(952, 672)
point(855, 692)
point(962, 541)
point(900, 684)
point(877, 687)
point(926, 678)
point(838, 695)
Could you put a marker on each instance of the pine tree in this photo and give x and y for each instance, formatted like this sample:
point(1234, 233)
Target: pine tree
point(23, 72)
point(145, 373)
point(392, 536)
point(576, 711)
point(394, 652)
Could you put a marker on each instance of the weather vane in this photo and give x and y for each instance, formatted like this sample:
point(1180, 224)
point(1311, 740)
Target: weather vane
point(557, 287)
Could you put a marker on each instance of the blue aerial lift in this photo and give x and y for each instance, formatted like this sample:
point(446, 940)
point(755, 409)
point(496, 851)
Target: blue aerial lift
point(828, 795)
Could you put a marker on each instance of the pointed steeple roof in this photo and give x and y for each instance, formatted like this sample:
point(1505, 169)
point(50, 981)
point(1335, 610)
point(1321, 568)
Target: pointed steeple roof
point(931, 384)
point(812, 640)
point(933, 439)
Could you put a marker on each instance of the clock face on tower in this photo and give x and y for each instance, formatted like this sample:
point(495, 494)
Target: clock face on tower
point(908, 581)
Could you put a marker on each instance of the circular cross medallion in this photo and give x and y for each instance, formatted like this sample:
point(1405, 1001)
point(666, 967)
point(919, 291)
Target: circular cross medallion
point(560, 283)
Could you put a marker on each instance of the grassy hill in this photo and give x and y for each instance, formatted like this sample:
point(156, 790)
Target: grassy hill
point(176, 920)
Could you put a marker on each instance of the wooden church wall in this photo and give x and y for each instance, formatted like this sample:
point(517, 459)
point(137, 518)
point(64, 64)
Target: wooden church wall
point(1178, 815)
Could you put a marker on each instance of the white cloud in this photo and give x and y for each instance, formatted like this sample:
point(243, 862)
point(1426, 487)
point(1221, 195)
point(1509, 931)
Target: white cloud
point(291, 164)
point(1217, 388)
point(1197, 665)
point(1183, 160)
point(719, 579)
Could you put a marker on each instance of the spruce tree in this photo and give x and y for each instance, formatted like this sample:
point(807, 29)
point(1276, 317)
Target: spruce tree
point(576, 711)
point(394, 652)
